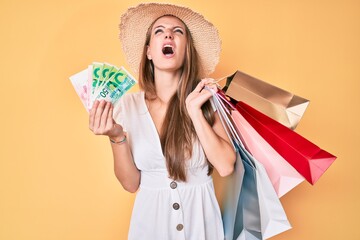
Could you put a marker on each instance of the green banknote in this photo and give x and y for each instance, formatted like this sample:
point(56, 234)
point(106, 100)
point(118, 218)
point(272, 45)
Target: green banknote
point(96, 73)
point(104, 73)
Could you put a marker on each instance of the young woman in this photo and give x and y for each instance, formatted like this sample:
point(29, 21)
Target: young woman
point(166, 139)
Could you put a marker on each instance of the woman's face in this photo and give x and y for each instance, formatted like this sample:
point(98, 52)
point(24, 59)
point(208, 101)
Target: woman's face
point(167, 44)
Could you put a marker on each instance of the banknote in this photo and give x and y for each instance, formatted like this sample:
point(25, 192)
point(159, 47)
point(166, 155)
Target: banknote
point(104, 73)
point(89, 86)
point(101, 81)
point(80, 84)
point(96, 71)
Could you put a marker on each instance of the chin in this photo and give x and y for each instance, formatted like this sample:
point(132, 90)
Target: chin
point(170, 68)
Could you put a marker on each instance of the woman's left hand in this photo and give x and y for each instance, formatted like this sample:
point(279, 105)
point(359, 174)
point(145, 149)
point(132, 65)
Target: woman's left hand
point(199, 96)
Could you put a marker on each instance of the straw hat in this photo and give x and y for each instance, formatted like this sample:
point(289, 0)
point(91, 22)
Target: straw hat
point(136, 21)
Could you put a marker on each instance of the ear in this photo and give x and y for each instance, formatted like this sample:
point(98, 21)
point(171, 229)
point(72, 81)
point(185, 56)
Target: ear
point(148, 53)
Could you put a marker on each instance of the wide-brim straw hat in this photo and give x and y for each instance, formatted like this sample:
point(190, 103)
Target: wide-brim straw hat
point(136, 21)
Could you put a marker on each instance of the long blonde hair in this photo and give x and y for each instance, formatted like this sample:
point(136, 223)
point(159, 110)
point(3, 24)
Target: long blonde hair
point(177, 133)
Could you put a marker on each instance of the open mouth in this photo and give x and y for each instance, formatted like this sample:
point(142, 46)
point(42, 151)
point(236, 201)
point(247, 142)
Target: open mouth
point(168, 50)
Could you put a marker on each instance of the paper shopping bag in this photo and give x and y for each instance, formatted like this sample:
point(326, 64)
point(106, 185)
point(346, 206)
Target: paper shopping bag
point(307, 158)
point(233, 185)
point(259, 213)
point(272, 216)
point(247, 219)
point(280, 105)
point(282, 175)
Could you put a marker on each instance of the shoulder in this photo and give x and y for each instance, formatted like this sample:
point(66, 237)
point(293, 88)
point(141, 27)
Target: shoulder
point(130, 103)
point(130, 99)
point(127, 108)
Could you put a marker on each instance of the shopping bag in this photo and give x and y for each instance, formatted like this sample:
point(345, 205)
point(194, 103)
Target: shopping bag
point(274, 102)
point(247, 224)
point(259, 213)
point(272, 216)
point(307, 158)
point(282, 175)
point(233, 185)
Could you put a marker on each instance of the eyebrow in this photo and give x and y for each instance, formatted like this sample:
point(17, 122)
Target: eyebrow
point(161, 26)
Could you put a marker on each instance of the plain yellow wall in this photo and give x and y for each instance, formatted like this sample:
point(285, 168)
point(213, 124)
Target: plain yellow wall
point(56, 178)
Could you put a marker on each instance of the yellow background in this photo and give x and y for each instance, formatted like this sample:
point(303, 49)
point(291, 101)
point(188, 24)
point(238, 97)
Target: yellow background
point(56, 178)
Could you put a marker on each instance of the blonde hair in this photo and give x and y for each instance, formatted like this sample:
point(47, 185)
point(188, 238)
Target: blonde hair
point(177, 133)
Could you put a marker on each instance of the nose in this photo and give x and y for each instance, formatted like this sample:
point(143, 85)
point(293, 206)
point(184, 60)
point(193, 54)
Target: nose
point(168, 35)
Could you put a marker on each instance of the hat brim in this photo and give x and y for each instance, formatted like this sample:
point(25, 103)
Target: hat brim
point(136, 21)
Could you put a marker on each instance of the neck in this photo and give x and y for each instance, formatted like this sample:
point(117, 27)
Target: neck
point(166, 84)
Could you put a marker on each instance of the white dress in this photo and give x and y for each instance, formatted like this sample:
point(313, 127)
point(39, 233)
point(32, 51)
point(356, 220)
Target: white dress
point(165, 209)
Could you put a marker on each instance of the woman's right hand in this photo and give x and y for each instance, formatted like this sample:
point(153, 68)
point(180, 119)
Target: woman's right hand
point(101, 120)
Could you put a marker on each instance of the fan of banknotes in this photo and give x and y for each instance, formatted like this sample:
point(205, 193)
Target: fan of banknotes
point(101, 81)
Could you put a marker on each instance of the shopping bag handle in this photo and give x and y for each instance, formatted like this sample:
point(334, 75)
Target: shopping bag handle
point(224, 113)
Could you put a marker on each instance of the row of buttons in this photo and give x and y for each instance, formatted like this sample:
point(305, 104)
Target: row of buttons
point(176, 206)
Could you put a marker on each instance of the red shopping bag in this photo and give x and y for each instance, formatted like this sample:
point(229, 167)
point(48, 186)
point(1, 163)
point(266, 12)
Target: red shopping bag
point(307, 158)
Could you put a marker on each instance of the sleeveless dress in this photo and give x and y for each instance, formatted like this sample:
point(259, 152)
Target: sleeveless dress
point(165, 209)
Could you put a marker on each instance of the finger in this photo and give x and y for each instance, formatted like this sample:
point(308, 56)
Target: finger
point(204, 96)
point(212, 86)
point(200, 98)
point(98, 113)
point(104, 116)
point(92, 114)
point(199, 87)
point(109, 120)
point(208, 81)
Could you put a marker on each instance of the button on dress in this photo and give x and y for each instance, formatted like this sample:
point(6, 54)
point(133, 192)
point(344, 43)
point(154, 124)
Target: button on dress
point(165, 209)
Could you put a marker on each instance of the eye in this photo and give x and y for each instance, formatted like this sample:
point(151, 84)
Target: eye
point(179, 30)
point(158, 30)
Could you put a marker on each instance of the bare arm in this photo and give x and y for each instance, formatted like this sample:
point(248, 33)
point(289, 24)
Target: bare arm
point(101, 122)
point(213, 139)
